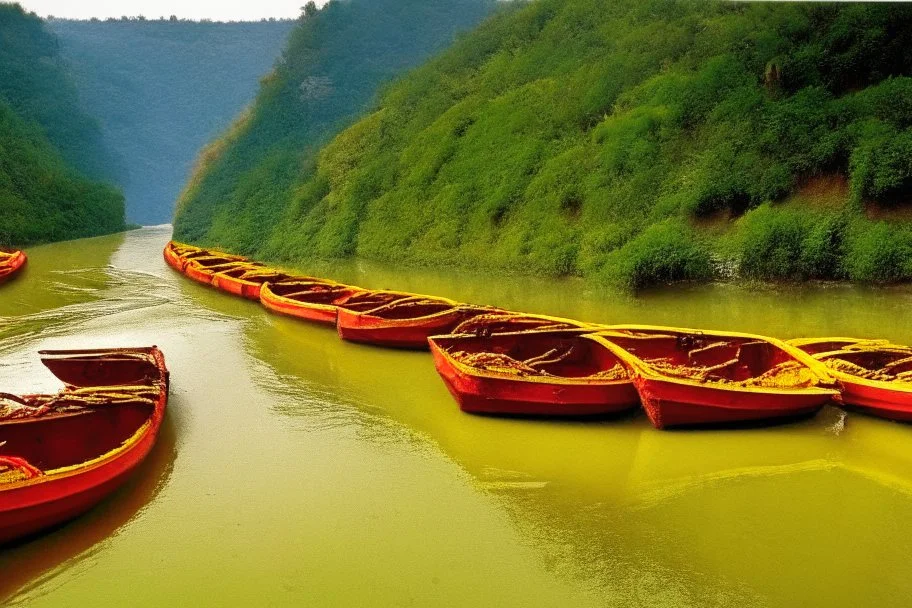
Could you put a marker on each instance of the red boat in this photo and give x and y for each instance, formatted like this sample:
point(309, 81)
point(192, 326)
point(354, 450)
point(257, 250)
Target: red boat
point(11, 262)
point(534, 373)
point(310, 300)
point(874, 376)
point(406, 322)
point(502, 322)
point(203, 269)
point(688, 377)
point(177, 255)
point(248, 282)
point(61, 454)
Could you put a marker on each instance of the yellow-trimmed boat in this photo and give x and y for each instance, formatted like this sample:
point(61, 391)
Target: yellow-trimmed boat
point(689, 377)
point(874, 376)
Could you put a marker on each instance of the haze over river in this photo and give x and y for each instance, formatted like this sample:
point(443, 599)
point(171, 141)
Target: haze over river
point(295, 469)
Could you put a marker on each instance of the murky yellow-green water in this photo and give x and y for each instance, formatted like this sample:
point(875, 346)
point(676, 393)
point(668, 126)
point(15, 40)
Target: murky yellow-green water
point(295, 469)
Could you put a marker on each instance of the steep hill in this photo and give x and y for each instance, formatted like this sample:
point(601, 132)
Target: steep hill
point(51, 152)
point(335, 60)
point(162, 89)
point(637, 141)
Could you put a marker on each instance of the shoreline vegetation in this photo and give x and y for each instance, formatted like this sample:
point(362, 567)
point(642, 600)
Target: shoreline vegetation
point(54, 168)
point(651, 143)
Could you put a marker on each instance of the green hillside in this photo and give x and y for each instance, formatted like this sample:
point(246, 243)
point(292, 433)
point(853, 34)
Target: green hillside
point(51, 152)
point(334, 62)
point(162, 89)
point(638, 142)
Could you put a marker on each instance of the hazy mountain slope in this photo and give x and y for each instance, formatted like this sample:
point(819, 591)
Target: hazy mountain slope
point(51, 151)
point(162, 89)
point(636, 141)
point(335, 60)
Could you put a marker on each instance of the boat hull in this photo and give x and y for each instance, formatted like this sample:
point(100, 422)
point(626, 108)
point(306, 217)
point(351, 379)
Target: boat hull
point(13, 267)
point(872, 397)
point(173, 259)
point(198, 274)
point(671, 404)
point(883, 402)
point(324, 314)
point(486, 394)
point(397, 333)
point(31, 506)
point(29, 510)
point(237, 287)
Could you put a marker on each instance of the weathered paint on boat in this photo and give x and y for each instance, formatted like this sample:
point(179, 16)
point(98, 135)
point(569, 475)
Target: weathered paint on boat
point(672, 401)
point(315, 301)
point(884, 399)
point(502, 322)
point(406, 322)
point(569, 390)
point(11, 263)
point(76, 459)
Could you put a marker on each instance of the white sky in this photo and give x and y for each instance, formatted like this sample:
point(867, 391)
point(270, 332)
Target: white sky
point(217, 10)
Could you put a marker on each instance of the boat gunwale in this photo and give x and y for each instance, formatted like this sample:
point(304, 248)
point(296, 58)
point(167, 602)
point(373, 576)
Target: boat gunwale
point(454, 308)
point(479, 373)
point(152, 422)
point(845, 377)
point(647, 372)
point(269, 298)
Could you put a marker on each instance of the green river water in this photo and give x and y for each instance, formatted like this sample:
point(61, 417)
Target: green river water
point(295, 469)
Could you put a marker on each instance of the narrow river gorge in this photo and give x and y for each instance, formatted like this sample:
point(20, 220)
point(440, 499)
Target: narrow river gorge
point(294, 468)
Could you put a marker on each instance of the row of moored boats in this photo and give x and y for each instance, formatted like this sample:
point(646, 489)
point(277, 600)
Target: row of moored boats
point(61, 453)
point(496, 361)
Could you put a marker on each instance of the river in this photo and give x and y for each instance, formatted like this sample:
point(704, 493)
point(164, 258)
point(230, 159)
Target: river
point(295, 469)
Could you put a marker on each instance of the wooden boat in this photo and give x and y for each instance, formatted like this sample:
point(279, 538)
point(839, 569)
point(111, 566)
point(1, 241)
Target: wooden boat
point(874, 376)
point(61, 454)
point(203, 269)
point(502, 322)
point(11, 262)
point(534, 373)
point(689, 377)
point(405, 322)
point(178, 255)
point(247, 282)
point(310, 300)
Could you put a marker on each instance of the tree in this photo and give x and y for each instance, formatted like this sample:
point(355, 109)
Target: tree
point(309, 10)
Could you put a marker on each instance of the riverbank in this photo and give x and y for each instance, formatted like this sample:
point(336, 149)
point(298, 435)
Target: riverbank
point(372, 473)
point(633, 147)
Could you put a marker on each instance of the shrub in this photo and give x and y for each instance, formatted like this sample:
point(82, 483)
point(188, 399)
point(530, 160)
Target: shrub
point(879, 253)
point(663, 253)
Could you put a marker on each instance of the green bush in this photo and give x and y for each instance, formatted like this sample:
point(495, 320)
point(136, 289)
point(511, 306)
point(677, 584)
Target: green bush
point(663, 253)
point(880, 253)
point(564, 136)
point(790, 244)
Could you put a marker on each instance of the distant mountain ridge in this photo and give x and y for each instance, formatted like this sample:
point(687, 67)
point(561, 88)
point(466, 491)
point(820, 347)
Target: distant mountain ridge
point(161, 89)
point(635, 142)
point(330, 71)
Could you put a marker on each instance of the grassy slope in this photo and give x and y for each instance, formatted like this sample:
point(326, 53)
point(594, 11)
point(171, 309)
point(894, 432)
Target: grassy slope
point(51, 154)
point(331, 69)
point(163, 89)
point(638, 142)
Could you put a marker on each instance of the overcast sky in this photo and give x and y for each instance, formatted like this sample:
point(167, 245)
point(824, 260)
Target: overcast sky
point(217, 10)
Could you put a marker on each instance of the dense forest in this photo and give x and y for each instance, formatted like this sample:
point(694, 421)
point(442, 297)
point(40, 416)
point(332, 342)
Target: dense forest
point(53, 162)
point(335, 60)
point(638, 142)
point(162, 89)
